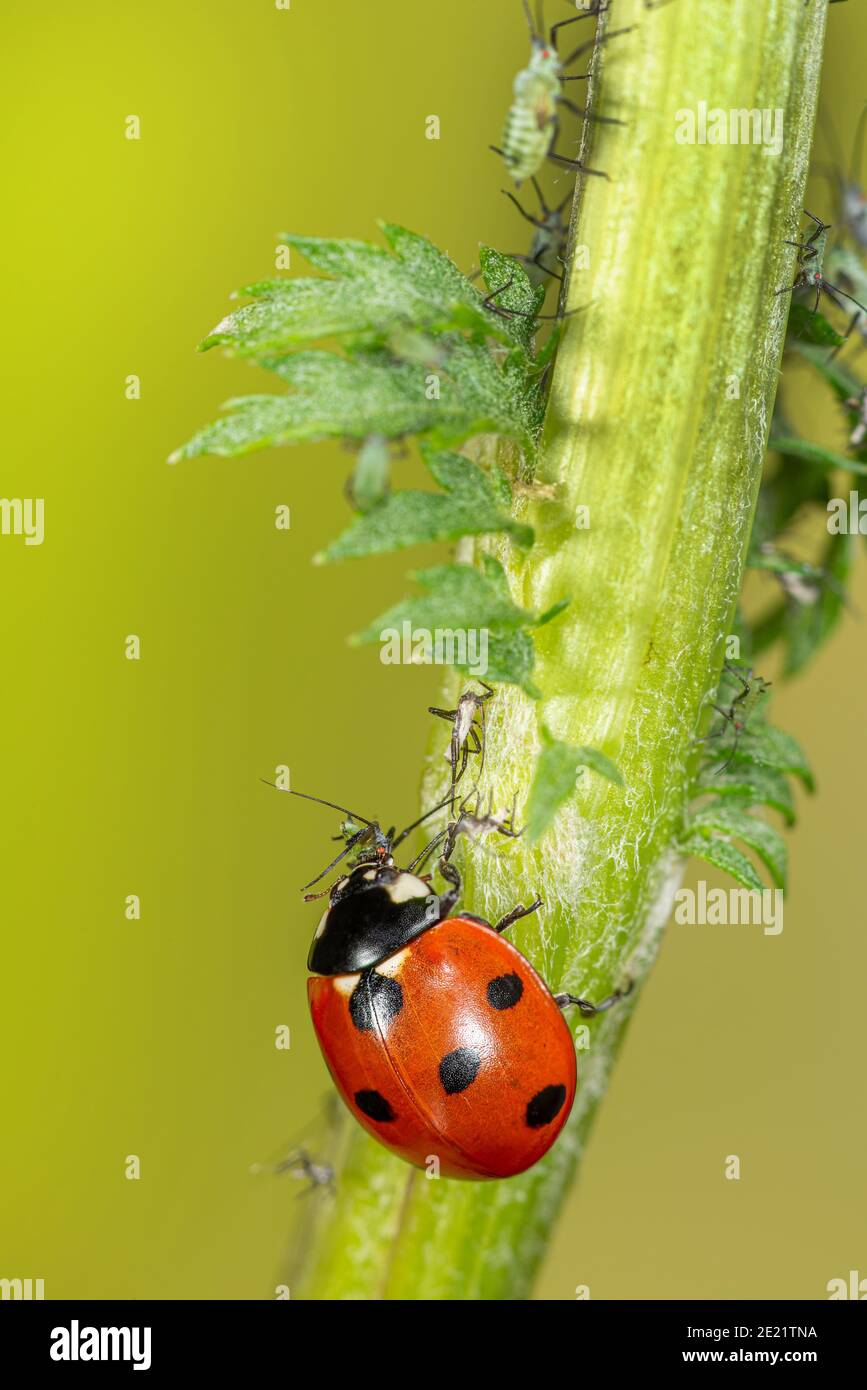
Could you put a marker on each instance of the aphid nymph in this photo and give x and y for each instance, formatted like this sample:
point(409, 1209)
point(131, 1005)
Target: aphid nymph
point(532, 122)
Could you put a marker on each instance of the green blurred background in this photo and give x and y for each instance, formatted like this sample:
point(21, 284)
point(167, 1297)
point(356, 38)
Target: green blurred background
point(156, 1037)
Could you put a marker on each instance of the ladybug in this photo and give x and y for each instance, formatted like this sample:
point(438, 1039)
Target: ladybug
point(441, 1038)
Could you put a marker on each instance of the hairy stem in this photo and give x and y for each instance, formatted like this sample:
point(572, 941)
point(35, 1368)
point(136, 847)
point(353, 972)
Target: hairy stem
point(658, 419)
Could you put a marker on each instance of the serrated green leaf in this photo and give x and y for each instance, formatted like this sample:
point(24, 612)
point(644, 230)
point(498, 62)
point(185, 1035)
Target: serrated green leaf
point(511, 657)
point(809, 326)
point(462, 604)
point(374, 292)
point(749, 785)
point(511, 292)
point(334, 397)
point(500, 485)
point(557, 770)
point(468, 508)
point(723, 855)
point(768, 843)
point(495, 573)
point(456, 596)
point(767, 746)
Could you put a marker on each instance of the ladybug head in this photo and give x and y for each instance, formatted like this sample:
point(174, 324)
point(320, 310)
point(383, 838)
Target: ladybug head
point(372, 912)
point(375, 908)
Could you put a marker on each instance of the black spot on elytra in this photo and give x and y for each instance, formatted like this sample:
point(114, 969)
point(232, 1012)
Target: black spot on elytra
point(374, 1106)
point(504, 991)
point(459, 1069)
point(545, 1105)
point(375, 1001)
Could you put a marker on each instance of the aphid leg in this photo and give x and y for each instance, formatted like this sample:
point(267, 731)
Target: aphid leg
point(299, 1164)
point(588, 14)
point(852, 323)
point(440, 806)
point(745, 681)
point(588, 114)
point(516, 914)
point(563, 1001)
point(820, 225)
point(537, 261)
point(489, 301)
point(810, 251)
point(595, 43)
point(360, 835)
point(576, 165)
point(536, 221)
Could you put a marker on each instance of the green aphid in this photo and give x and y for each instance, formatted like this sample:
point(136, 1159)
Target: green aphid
point(810, 269)
point(532, 122)
point(544, 260)
point(751, 692)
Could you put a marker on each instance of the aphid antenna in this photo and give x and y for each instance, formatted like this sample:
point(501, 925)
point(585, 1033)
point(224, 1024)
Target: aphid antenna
point(526, 313)
point(547, 211)
point(528, 216)
point(452, 830)
point(305, 796)
point(347, 849)
point(422, 858)
point(834, 289)
point(421, 820)
point(535, 26)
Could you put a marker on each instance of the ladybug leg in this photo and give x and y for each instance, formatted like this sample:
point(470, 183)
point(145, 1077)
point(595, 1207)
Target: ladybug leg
point(563, 1001)
point(516, 914)
point(449, 898)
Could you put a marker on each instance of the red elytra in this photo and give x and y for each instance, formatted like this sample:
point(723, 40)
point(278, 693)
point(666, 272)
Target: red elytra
point(450, 1048)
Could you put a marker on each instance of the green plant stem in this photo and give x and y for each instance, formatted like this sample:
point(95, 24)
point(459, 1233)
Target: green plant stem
point(658, 420)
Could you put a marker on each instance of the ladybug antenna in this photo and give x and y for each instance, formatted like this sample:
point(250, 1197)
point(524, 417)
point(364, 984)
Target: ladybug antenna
point(318, 799)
